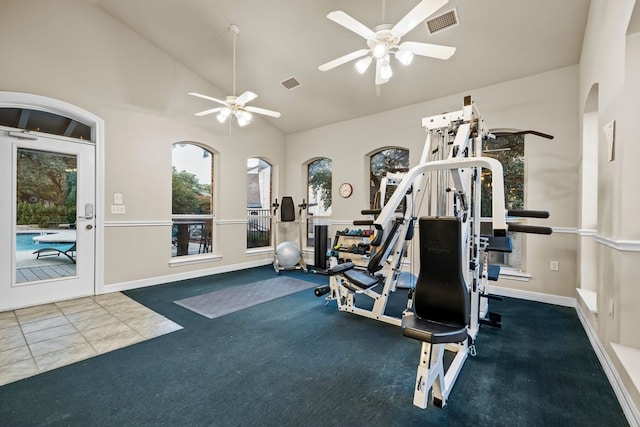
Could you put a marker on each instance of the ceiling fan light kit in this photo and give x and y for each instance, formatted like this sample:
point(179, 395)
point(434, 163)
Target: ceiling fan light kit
point(235, 106)
point(384, 40)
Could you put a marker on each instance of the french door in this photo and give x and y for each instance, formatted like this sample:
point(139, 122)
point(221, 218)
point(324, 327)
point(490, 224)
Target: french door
point(47, 185)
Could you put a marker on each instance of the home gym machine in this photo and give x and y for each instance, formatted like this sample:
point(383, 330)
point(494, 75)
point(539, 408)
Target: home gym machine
point(288, 255)
point(450, 299)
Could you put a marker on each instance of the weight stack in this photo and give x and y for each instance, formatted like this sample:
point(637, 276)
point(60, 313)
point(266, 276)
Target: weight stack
point(320, 246)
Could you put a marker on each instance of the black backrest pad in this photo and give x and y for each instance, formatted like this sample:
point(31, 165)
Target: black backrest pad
point(287, 209)
point(379, 258)
point(441, 293)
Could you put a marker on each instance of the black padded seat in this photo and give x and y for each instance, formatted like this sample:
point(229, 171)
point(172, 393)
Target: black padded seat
point(432, 332)
point(441, 301)
point(359, 280)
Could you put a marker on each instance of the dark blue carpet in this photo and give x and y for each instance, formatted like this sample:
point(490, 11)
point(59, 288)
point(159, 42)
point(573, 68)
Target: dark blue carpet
point(296, 362)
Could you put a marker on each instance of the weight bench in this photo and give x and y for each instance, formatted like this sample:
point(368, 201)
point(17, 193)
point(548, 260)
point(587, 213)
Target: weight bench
point(438, 314)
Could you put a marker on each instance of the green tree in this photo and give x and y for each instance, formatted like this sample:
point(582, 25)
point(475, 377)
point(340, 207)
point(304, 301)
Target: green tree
point(319, 176)
point(188, 195)
point(387, 160)
point(509, 150)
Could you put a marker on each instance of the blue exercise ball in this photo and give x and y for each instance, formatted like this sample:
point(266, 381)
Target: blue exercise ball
point(288, 254)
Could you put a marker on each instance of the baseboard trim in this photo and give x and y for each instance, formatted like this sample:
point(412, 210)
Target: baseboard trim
point(532, 296)
point(628, 407)
point(160, 280)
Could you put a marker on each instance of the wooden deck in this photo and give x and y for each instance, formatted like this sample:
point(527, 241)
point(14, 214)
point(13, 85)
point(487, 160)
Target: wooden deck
point(45, 272)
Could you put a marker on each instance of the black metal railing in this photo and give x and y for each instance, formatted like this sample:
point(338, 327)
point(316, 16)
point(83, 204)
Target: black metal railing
point(258, 228)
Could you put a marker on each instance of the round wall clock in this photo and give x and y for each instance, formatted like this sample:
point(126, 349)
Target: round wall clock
point(346, 189)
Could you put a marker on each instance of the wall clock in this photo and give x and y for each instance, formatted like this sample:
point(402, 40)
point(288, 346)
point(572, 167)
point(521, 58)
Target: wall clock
point(346, 190)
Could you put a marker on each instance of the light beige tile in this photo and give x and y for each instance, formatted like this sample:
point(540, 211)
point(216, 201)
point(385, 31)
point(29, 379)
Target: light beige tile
point(65, 357)
point(87, 305)
point(35, 309)
point(17, 371)
point(7, 315)
point(133, 313)
point(12, 341)
point(155, 329)
point(76, 301)
point(44, 324)
point(117, 341)
point(50, 333)
point(8, 357)
point(124, 306)
point(8, 322)
point(95, 322)
point(39, 315)
point(43, 347)
point(102, 332)
point(89, 314)
point(107, 300)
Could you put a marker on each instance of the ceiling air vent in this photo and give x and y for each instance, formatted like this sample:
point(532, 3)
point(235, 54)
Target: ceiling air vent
point(443, 21)
point(290, 83)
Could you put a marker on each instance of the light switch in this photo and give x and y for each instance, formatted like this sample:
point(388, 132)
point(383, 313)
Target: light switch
point(117, 209)
point(118, 199)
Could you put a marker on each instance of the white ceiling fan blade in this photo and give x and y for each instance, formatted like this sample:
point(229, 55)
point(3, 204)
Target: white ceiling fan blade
point(207, 112)
point(427, 49)
point(264, 111)
point(343, 59)
point(199, 95)
point(379, 79)
point(422, 11)
point(339, 17)
point(247, 96)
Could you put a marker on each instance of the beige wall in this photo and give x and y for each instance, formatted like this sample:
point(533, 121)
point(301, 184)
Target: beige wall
point(545, 102)
point(611, 62)
point(71, 50)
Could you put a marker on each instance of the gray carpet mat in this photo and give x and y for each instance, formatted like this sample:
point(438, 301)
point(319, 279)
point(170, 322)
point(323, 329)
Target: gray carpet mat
point(229, 300)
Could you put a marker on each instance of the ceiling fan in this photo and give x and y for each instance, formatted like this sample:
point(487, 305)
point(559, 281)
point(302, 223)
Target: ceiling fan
point(384, 40)
point(235, 106)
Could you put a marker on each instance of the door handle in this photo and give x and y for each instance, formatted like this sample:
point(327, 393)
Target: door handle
point(88, 211)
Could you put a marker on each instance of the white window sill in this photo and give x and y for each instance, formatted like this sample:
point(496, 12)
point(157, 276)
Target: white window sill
point(512, 274)
point(630, 359)
point(590, 299)
point(193, 259)
point(259, 251)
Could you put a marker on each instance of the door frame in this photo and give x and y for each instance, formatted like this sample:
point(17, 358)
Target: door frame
point(56, 106)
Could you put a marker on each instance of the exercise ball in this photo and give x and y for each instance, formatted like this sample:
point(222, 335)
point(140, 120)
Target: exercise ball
point(406, 280)
point(287, 254)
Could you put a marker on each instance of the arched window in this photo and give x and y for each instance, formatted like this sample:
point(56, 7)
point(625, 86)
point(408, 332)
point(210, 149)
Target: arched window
point(192, 200)
point(258, 203)
point(318, 193)
point(395, 160)
point(509, 150)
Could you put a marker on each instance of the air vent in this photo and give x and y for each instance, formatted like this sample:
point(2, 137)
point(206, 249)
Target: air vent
point(290, 83)
point(444, 21)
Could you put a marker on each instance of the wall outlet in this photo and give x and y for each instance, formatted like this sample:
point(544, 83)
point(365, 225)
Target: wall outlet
point(554, 266)
point(117, 209)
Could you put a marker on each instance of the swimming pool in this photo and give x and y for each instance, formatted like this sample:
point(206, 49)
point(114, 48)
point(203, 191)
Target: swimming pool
point(24, 242)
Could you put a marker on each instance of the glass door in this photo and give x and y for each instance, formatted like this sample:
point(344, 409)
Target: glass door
point(49, 224)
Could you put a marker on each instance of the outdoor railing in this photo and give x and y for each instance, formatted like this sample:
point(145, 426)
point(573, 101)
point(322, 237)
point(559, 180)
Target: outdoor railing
point(258, 228)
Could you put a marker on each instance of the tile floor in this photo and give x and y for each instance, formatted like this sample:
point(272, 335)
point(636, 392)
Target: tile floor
point(38, 339)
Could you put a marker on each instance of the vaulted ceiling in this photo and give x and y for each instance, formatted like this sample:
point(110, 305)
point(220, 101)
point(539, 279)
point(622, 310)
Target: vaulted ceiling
point(496, 41)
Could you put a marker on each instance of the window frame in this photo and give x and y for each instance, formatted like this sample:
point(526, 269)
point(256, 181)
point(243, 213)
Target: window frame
point(206, 221)
point(326, 213)
point(262, 216)
point(516, 268)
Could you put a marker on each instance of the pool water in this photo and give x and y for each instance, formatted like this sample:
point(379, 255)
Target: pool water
point(24, 242)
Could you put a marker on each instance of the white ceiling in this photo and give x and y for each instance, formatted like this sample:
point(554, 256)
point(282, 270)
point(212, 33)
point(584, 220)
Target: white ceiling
point(496, 41)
